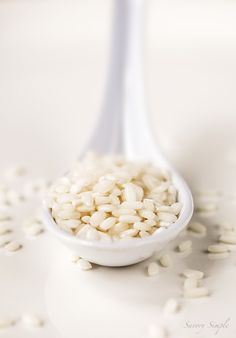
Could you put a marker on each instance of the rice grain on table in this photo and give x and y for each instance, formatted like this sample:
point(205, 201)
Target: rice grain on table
point(153, 269)
point(4, 229)
point(31, 320)
point(221, 255)
point(34, 230)
point(4, 240)
point(6, 322)
point(84, 264)
point(217, 248)
point(190, 283)
point(74, 258)
point(171, 306)
point(228, 239)
point(15, 172)
point(206, 207)
point(13, 197)
point(197, 227)
point(185, 246)
point(165, 260)
point(196, 292)
point(209, 193)
point(190, 273)
point(157, 331)
point(5, 216)
point(12, 246)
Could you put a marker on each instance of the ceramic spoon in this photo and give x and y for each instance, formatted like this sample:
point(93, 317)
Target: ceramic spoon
point(123, 128)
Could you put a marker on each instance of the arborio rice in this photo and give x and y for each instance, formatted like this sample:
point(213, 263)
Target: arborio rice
point(110, 198)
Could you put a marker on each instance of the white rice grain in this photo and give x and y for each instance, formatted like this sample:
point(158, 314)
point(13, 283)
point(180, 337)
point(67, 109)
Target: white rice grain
point(153, 269)
point(164, 224)
point(104, 186)
point(196, 292)
point(100, 199)
point(122, 211)
point(148, 214)
point(33, 230)
point(106, 207)
point(74, 258)
point(176, 207)
point(128, 233)
point(148, 204)
point(5, 215)
point(97, 218)
point(108, 223)
point(132, 205)
point(129, 219)
point(206, 207)
point(197, 227)
point(66, 214)
point(166, 217)
point(185, 246)
point(4, 229)
point(6, 322)
point(190, 273)
point(12, 246)
point(165, 260)
point(172, 305)
point(141, 226)
point(157, 331)
point(190, 283)
point(31, 320)
point(143, 234)
point(84, 264)
point(217, 248)
point(228, 239)
point(221, 255)
point(88, 232)
point(130, 193)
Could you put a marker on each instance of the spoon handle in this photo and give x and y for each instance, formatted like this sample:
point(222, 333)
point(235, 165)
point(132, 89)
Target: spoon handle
point(123, 125)
point(138, 138)
point(108, 134)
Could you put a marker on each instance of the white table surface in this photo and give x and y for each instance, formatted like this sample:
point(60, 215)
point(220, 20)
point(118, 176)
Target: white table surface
point(53, 58)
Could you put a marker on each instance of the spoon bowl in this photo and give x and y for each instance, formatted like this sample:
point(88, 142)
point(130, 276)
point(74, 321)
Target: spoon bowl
point(123, 128)
point(129, 251)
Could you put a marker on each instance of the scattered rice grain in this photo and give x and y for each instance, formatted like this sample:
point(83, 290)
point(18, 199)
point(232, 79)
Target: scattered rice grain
point(153, 269)
point(84, 264)
point(185, 246)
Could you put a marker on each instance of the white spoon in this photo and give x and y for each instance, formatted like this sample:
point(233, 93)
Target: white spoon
point(123, 128)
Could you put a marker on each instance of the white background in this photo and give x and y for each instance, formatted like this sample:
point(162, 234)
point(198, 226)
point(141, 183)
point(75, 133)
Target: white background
point(53, 62)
